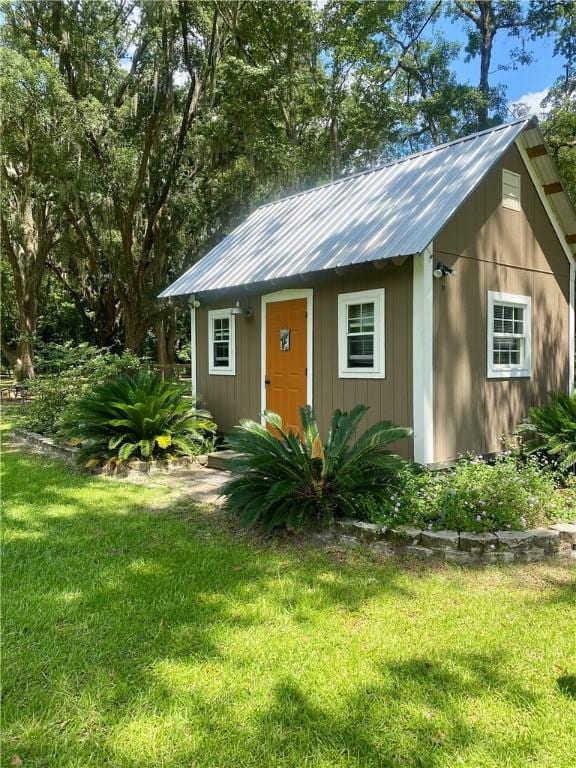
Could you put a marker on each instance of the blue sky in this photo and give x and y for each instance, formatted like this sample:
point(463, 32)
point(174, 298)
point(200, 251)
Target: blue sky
point(528, 83)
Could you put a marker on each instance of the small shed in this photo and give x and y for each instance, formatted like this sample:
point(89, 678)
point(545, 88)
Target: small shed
point(437, 289)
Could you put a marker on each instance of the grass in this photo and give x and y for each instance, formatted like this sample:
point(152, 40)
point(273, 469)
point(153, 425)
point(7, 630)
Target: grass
point(140, 632)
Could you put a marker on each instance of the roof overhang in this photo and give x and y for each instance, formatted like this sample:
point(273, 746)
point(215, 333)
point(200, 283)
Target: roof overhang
point(549, 185)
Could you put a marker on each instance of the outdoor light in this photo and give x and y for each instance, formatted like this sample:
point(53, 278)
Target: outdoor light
point(443, 270)
point(238, 310)
point(193, 302)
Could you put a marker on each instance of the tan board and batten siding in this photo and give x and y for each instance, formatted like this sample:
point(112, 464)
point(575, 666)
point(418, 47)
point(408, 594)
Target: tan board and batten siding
point(494, 248)
point(233, 397)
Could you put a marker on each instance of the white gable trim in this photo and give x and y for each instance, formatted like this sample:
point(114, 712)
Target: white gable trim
point(423, 356)
point(566, 248)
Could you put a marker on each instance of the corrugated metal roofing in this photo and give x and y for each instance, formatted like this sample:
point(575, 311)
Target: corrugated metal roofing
point(391, 211)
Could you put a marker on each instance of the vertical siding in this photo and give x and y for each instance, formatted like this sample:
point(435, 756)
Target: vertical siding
point(389, 398)
point(233, 397)
point(495, 249)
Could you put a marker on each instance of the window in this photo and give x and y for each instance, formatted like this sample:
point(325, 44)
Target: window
point(511, 190)
point(361, 335)
point(221, 343)
point(509, 335)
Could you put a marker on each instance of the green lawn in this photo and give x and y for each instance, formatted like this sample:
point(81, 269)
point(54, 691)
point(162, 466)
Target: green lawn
point(139, 632)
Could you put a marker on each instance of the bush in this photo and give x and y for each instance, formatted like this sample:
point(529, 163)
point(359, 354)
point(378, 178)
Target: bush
point(476, 495)
point(283, 479)
point(53, 357)
point(552, 429)
point(138, 416)
point(54, 395)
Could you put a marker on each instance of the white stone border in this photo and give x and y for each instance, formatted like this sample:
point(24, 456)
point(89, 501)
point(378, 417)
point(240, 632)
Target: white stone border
point(556, 541)
point(50, 447)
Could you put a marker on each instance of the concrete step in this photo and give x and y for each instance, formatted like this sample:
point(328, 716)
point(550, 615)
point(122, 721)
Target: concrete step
point(220, 459)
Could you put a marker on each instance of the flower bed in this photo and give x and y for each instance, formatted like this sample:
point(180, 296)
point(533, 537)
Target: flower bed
point(510, 492)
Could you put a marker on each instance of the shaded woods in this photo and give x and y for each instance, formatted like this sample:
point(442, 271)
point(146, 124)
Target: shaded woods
point(137, 134)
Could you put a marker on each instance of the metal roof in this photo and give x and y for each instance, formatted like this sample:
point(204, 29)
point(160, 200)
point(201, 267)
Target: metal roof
point(391, 211)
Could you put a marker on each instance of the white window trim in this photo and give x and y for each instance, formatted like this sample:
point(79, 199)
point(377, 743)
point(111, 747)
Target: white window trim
point(286, 295)
point(230, 370)
point(509, 371)
point(507, 202)
point(378, 371)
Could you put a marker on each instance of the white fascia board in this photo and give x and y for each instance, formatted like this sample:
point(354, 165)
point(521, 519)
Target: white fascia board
point(423, 356)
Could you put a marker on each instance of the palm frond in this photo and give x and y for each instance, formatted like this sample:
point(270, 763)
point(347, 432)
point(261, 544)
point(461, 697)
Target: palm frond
point(283, 479)
point(139, 416)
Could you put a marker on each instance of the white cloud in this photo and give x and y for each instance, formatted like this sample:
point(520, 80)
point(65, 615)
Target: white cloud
point(529, 103)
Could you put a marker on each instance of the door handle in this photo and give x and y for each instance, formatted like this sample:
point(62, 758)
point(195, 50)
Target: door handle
point(266, 381)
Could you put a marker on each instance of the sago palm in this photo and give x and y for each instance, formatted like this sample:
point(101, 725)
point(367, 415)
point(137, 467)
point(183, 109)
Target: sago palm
point(283, 479)
point(138, 416)
point(552, 428)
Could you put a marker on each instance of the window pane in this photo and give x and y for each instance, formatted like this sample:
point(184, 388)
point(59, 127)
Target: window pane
point(361, 351)
point(361, 318)
point(507, 351)
point(221, 328)
point(221, 354)
point(508, 319)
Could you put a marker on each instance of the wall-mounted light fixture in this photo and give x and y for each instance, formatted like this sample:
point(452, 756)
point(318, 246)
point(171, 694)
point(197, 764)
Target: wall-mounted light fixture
point(193, 302)
point(238, 310)
point(443, 270)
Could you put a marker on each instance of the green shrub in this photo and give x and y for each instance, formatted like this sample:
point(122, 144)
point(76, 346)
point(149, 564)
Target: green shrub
point(54, 395)
point(286, 480)
point(476, 495)
point(552, 429)
point(54, 357)
point(138, 416)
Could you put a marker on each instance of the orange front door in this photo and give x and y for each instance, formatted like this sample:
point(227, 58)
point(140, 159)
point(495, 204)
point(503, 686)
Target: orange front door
point(286, 359)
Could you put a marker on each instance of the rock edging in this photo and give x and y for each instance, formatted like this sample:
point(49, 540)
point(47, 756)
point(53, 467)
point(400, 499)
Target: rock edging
point(50, 447)
point(555, 541)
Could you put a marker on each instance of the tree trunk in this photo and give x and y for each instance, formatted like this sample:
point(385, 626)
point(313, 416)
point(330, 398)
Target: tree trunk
point(335, 155)
point(487, 36)
point(166, 342)
point(20, 360)
point(135, 331)
point(24, 368)
point(27, 260)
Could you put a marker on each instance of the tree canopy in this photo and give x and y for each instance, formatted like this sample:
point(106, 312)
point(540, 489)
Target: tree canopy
point(137, 133)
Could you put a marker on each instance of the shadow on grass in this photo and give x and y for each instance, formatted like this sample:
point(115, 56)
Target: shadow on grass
point(98, 593)
point(567, 684)
point(414, 717)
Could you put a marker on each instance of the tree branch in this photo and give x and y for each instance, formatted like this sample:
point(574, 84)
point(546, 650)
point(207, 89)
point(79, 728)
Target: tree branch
point(7, 244)
point(467, 11)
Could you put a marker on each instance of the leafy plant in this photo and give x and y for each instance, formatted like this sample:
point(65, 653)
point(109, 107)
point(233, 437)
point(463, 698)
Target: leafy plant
point(509, 493)
point(74, 373)
point(285, 479)
point(138, 416)
point(552, 428)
